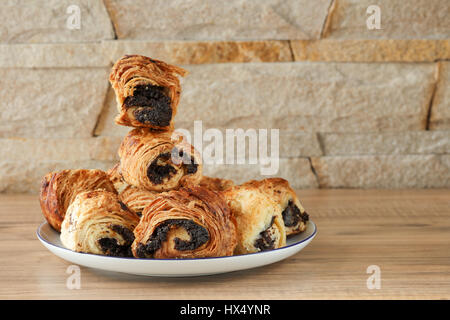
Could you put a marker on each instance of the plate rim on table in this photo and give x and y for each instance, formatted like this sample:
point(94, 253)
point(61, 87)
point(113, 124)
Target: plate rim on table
point(276, 255)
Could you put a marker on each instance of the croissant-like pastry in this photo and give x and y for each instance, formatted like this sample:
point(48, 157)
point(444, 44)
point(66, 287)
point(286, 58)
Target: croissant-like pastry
point(216, 184)
point(186, 223)
point(294, 216)
point(59, 189)
point(147, 91)
point(96, 222)
point(259, 220)
point(136, 199)
point(116, 178)
point(158, 161)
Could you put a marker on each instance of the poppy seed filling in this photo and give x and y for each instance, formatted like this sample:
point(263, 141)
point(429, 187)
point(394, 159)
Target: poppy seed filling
point(198, 234)
point(188, 160)
point(123, 206)
point(191, 168)
point(158, 169)
point(292, 215)
point(265, 240)
point(111, 247)
point(153, 106)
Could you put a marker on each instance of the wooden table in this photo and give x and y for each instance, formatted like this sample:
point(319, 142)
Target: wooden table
point(405, 233)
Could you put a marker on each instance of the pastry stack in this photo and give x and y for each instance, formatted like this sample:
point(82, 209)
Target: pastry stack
point(155, 203)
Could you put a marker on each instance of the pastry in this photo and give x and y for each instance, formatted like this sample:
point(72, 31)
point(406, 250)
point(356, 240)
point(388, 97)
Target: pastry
point(216, 184)
point(158, 161)
point(59, 189)
point(136, 199)
point(259, 221)
point(116, 178)
point(187, 223)
point(147, 91)
point(294, 216)
point(96, 222)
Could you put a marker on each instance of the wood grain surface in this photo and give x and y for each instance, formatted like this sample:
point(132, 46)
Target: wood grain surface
point(405, 233)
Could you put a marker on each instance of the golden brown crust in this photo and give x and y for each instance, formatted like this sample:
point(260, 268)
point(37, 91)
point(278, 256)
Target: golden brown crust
point(188, 223)
point(136, 199)
point(135, 70)
point(258, 217)
point(96, 222)
point(59, 189)
point(158, 161)
point(216, 184)
point(294, 215)
point(116, 178)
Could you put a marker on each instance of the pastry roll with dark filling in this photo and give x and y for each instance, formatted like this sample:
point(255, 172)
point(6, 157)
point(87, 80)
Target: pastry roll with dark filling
point(158, 161)
point(294, 216)
point(186, 223)
point(147, 91)
point(96, 222)
point(136, 199)
point(59, 189)
point(258, 219)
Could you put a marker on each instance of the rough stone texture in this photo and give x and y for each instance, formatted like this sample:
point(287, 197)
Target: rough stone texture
point(324, 97)
point(414, 142)
point(394, 171)
point(218, 20)
point(371, 50)
point(106, 125)
point(104, 148)
point(46, 21)
point(25, 176)
point(53, 55)
point(192, 52)
point(26, 161)
point(100, 148)
point(42, 103)
point(348, 104)
point(107, 52)
point(299, 144)
point(291, 143)
point(400, 19)
point(440, 111)
point(297, 171)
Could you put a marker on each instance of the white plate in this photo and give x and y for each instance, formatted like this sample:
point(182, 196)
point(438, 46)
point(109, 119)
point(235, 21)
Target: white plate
point(175, 267)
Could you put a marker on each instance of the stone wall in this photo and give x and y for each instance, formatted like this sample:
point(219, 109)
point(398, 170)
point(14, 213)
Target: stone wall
point(356, 108)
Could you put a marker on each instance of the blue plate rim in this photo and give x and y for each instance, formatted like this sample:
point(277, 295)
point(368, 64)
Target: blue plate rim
point(312, 235)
